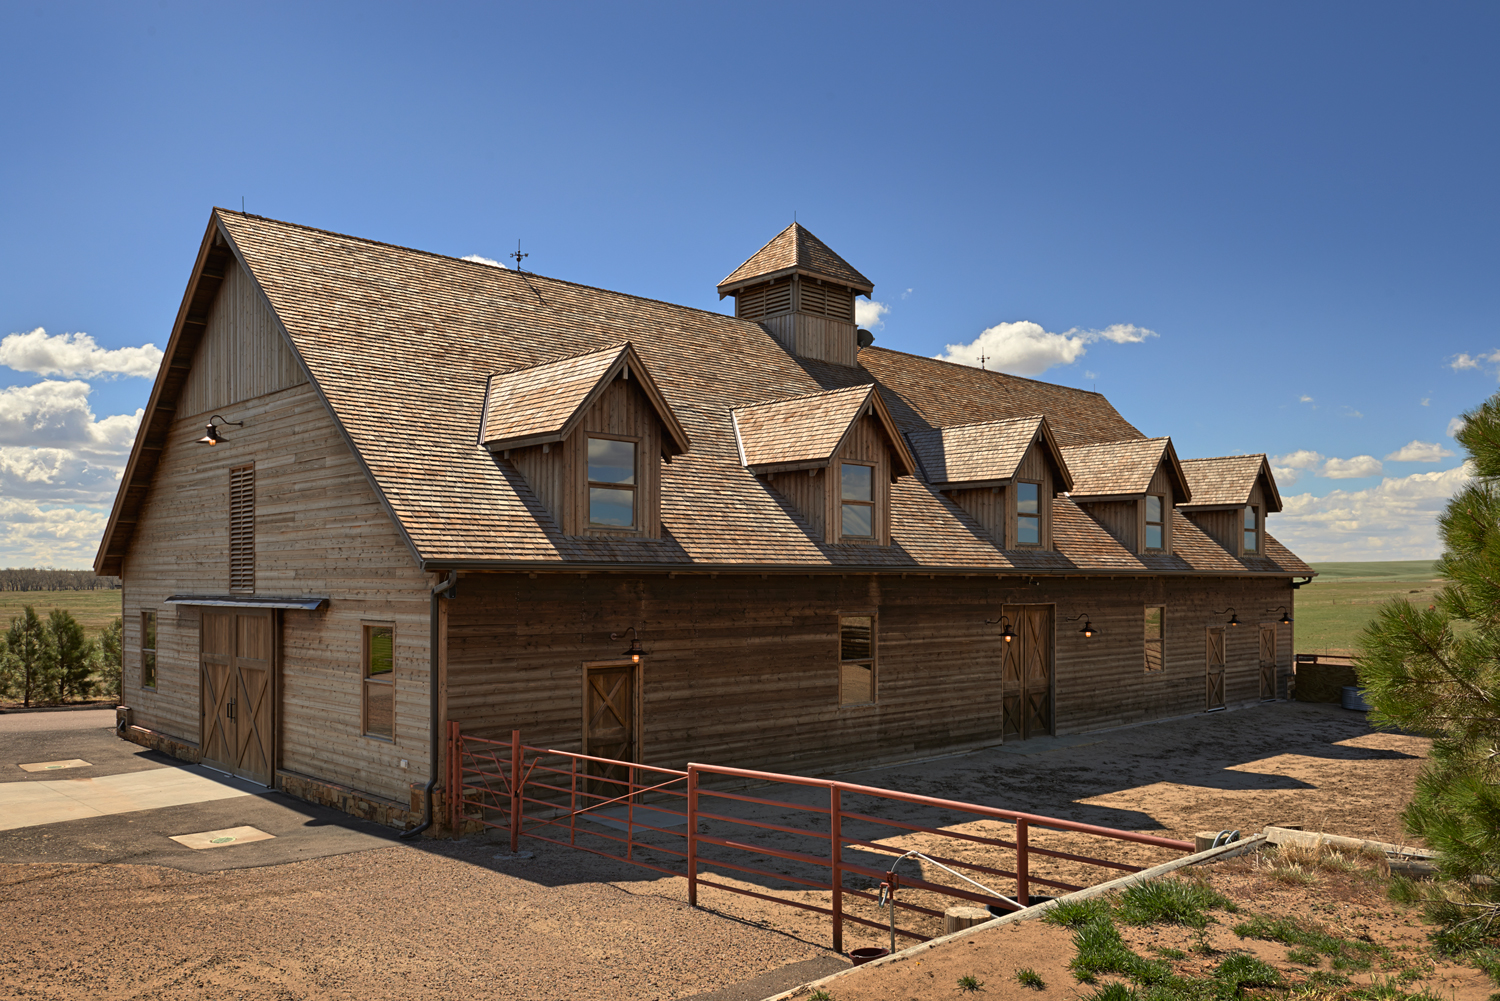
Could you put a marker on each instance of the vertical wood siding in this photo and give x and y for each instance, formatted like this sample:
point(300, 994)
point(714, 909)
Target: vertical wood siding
point(243, 354)
point(807, 491)
point(319, 530)
point(987, 505)
point(820, 337)
point(866, 442)
point(1118, 518)
point(1034, 467)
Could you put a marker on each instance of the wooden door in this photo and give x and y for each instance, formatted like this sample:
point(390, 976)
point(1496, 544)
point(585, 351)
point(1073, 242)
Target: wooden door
point(1267, 661)
point(238, 658)
point(610, 726)
point(1026, 673)
point(1213, 673)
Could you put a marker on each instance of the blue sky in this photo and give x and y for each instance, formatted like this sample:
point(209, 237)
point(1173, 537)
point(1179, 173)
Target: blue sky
point(1267, 228)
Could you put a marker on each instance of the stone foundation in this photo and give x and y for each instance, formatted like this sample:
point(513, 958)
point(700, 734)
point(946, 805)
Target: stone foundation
point(182, 750)
point(387, 812)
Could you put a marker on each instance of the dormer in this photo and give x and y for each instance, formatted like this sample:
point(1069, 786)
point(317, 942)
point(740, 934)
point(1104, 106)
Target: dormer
point(1232, 495)
point(588, 433)
point(1130, 489)
point(1003, 473)
point(832, 455)
point(803, 294)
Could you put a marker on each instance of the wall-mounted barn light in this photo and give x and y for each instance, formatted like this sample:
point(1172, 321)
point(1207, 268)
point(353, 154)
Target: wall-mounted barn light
point(1286, 616)
point(635, 653)
point(211, 434)
point(1005, 631)
point(1234, 619)
point(1088, 629)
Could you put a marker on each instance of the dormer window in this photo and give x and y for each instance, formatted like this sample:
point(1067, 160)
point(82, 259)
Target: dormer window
point(611, 483)
point(1252, 529)
point(1028, 514)
point(1155, 530)
point(857, 482)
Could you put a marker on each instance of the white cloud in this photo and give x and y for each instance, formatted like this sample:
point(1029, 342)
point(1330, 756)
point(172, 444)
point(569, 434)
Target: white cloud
point(57, 475)
point(869, 313)
point(1287, 468)
point(73, 355)
point(1459, 362)
point(1426, 401)
point(1420, 451)
point(482, 260)
point(1351, 469)
point(57, 415)
point(1394, 520)
point(1300, 459)
point(1455, 426)
point(39, 534)
point(1025, 348)
point(1304, 398)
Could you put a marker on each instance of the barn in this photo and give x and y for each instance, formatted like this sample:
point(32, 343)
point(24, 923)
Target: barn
point(377, 489)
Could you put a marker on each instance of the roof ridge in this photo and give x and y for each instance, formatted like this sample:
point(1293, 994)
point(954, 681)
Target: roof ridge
point(562, 358)
point(806, 396)
point(1008, 375)
point(975, 424)
point(1122, 441)
point(1241, 455)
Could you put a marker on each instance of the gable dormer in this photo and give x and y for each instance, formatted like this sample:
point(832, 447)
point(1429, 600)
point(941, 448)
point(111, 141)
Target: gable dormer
point(1003, 473)
point(1130, 489)
point(588, 433)
point(1232, 495)
point(832, 455)
point(803, 294)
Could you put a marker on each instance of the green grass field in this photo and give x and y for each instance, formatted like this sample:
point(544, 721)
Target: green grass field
point(93, 609)
point(1334, 608)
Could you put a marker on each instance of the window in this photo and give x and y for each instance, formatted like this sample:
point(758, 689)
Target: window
point(1154, 616)
point(856, 660)
point(148, 649)
point(611, 483)
point(242, 529)
point(857, 486)
point(1028, 514)
point(380, 682)
point(1252, 529)
point(1155, 534)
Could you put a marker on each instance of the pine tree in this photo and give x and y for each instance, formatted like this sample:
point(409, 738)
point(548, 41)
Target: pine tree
point(27, 643)
point(111, 657)
point(69, 658)
point(1437, 672)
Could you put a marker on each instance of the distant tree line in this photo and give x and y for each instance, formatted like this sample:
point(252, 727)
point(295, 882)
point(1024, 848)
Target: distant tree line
point(43, 579)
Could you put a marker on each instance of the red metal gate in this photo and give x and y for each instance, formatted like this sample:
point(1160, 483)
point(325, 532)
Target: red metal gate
point(701, 824)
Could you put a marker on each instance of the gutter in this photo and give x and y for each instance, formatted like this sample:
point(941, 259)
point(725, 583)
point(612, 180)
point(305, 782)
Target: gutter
point(845, 570)
point(448, 587)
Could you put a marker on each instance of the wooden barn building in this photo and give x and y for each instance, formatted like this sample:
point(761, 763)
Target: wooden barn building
point(438, 490)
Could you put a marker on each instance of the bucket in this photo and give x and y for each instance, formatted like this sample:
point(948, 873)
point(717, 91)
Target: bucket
point(862, 956)
point(1354, 698)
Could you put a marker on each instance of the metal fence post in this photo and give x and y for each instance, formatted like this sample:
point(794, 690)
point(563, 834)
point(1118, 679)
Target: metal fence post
point(836, 849)
point(692, 826)
point(515, 791)
point(1023, 866)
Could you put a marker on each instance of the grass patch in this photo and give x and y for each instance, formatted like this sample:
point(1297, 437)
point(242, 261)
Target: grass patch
point(969, 984)
point(1102, 950)
point(1027, 977)
point(1167, 952)
point(1345, 953)
point(1304, 956)
point(1170, 901)
point(1240, 971)
point(1075, 914)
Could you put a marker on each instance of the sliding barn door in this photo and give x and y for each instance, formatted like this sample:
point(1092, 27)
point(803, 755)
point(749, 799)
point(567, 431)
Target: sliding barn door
point(1026, 673)
point(237, 656)
point(1267, 662)
point(1213, 673)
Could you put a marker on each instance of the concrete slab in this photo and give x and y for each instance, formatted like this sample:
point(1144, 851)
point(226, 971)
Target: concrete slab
point(221, 839)
point(32, 804)
point(58, 719)
point(616, 817)
point(52, 766)
point(97, 744)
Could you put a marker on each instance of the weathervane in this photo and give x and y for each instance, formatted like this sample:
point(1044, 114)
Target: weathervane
point(518, 256)
point(982, 359)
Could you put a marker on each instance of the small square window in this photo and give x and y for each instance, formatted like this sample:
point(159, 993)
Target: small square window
point(856, 660)
point(380, 682)
point(857, 494)
point(1155, 530)
point(611, 483)
point(148, 649)
point(1155, 614)
point(1028, 514)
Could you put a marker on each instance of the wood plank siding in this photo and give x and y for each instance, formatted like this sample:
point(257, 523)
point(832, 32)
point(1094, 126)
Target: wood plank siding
point(242, 355)
point(819, 337)
point(517, 646)
point(319, 529)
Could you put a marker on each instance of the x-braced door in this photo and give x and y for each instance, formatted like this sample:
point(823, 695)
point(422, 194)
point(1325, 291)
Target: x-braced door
point(1213, 672)
point(611, 726)
point(1267, 661)
point(1026, 673)
point(237, 656)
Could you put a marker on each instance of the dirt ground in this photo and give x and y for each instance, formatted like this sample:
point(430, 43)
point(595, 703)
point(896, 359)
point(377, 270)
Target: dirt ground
point(1352, 905)
point(452, 919)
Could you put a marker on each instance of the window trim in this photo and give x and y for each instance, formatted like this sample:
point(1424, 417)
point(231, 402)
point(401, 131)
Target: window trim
point(1041, 535)
point(365, 681)
point(148, 653)
point(1253, 512)
point(1160, 641)
point(873, 660)
point(1147, 522)
point(873, 503)
point(635, 488)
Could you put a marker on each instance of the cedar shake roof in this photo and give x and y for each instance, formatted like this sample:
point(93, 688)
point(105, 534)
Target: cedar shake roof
point(983, 453)
point(810, 429)
point(543, 403)
point(795, 250)
point(401, 345)
point(1123, 468)
point(1226, 481)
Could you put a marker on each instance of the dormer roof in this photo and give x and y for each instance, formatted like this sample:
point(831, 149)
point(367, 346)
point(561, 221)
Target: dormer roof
point(984, 454)
point(1227, 481)
point(795, 251)
point(803, 432)
point(1124, 468)
point(543, 403)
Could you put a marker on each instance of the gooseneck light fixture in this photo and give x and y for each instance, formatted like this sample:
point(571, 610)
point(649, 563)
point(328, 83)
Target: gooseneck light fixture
point(1006, 633)
point(635, 653)
point(1286, 615)
point(211, 434)
point(1088, 629)
point(1234, 619)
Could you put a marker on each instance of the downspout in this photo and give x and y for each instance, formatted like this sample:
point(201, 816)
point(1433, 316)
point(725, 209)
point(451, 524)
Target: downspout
point(450, 587)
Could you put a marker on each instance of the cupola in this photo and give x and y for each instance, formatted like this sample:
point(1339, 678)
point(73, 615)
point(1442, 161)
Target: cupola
point(803, 294)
